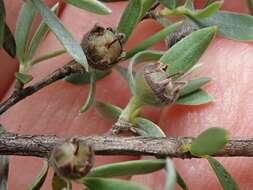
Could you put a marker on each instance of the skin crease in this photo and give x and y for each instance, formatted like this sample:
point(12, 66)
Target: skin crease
point(55, 109)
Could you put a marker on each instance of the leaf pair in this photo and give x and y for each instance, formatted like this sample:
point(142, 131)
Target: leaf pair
point(25, 48)
point(132, 14)
point(128, 168)
point(58, 183)
point(208, 143)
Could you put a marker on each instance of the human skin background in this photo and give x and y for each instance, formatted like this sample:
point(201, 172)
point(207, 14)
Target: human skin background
point(55, 109)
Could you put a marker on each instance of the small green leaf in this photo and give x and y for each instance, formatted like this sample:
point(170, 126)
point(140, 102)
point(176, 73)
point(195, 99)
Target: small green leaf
point(189, 5)
point(153, 39)
point(4, 165)
point(226, 180)
point(250, 6)
point(195, 98)
point(194, 84)
point(63, 35)
point(208, 2)
point(172, 4)
point(111, 184)
point(23, 78)
point(91, 5)
point(59, 183)
point(146, 6)
point(231, 25)
point(92, 91)
point(172, 176)
point(139, 58)
point(181, 182)
point(209, 142)
point(9, 42)
point(130, 18)
point(37, 184)
point(39, 35)
point(108, 110)
point(208, 10)
point(2, 22)
point(148, 128)
point(23, 28)
point(85, 77)
point(128, 168)
point(186, 53)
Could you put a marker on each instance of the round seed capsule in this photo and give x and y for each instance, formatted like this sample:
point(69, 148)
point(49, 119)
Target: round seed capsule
point(72, 159)
point(102, 47)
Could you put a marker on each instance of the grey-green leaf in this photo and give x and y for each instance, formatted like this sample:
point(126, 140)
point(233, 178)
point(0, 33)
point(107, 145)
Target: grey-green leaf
point(210, 141)
point(172, 176)
point(186, 53)
point(250, 6)
point(23, 78)
point(208, 2)
point(226, 180)
point(181, 182)
point(40, 34)
point(194, 84)
point(231, 25)
point(108, 110)
point(195, 98)
point(59, 183)
point(127, 168)
point(2, 22)
point(148, 128)
point(23, 28)
point(37, 184)
point(4, 165)
point(85, 77)
point(111, 184)
point(92, 91)
point(153, 39)
point(63, 35)
point(146, 5)
point(172, 4)
point(90, 5)
point(9, 42)
point(189, 4)
point(130, 18)
point(208, 10)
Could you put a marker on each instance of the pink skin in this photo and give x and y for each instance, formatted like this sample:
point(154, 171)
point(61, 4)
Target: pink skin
point(55, 109)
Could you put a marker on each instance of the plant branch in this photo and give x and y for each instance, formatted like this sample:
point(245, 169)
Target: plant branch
point(41, 145)
point(68, 69)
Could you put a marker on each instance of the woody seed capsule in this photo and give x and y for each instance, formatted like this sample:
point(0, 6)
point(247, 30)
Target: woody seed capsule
point(156, 87)
point(102, 47)
point(72, 159)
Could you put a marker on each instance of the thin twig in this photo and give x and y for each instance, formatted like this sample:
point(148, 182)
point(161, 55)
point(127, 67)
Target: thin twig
point(41, 146)
point(68, 69)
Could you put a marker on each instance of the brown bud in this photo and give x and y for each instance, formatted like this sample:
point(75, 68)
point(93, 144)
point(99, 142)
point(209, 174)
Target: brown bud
point(156, 87)
point(102, 47)
point(72, 159)
point(187, 28)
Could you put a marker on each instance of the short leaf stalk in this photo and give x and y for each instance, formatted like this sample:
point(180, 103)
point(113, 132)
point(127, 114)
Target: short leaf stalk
point(124, 121)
